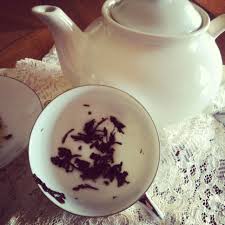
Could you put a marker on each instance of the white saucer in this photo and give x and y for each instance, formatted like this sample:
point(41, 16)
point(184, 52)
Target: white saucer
point(19, 109)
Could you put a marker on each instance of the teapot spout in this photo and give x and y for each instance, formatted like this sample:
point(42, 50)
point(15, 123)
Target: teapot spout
point(67, 35)
point(54, 18)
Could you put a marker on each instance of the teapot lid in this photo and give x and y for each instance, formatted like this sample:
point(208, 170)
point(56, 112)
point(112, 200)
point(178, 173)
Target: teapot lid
point(160, 17)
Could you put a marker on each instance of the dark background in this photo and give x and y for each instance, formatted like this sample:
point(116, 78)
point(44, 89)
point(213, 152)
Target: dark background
point(17, 13)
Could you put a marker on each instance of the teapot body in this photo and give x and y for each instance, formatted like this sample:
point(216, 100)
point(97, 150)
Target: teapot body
point(174, 78)
point(174, 75)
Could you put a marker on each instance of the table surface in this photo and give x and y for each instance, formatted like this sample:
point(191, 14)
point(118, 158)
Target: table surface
point(22, 35)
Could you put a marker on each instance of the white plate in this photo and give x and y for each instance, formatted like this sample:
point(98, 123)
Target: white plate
point(19, 108)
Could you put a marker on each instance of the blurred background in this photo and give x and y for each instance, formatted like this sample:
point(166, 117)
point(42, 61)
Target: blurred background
point(23, 35)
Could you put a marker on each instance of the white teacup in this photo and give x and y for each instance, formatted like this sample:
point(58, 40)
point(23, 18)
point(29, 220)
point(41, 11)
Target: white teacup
point(139, 151)
point(19, 108)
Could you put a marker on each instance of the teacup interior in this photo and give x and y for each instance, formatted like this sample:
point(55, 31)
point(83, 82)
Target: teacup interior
point(139, 151)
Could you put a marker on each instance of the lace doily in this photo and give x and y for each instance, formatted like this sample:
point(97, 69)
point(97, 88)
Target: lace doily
point(189, 187)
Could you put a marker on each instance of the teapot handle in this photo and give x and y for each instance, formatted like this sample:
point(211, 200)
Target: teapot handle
point(217, 27)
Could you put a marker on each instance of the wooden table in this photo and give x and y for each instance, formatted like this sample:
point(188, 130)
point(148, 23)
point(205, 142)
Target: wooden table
point(22, 35)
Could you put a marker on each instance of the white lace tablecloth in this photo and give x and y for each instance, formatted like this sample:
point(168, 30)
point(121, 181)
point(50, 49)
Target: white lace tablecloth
point(189, 186)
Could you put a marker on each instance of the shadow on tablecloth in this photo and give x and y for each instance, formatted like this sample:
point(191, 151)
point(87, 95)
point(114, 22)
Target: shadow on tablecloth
point(22, 202)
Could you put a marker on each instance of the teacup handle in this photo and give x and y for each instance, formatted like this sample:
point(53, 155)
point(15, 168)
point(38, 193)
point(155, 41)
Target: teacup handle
point(151, 207)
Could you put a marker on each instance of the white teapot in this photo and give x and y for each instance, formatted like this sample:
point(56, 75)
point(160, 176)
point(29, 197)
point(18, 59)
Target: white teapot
point(162, 52)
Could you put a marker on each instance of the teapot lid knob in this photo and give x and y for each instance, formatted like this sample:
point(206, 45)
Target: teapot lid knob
point(159, 17)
